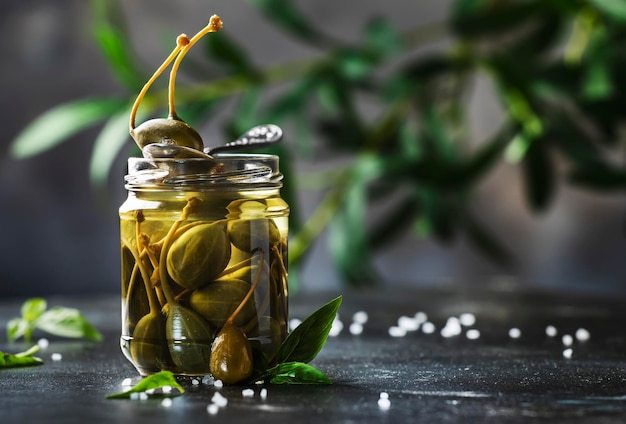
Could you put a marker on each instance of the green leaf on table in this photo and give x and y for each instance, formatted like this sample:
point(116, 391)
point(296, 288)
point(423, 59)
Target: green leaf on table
point(307, 339)
point(67, 322)
point(22, 359)
point(296, 373)
point(155, 381)
point(59, 123)
point(18, 327)
point(33, 308)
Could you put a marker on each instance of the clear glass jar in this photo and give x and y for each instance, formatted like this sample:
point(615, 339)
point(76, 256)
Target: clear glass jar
point(203, 242)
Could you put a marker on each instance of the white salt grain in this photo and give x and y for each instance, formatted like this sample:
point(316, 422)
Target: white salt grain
point(212, 409)
point(360, 317)
point(207, 379)
point(247, 393)
point(467, 319)
point(452, 327)
point(143, 396)
point(384, 403)
point(515, 333)
point(263, 393)
point(567, 353)
point(195, 382)
point(336, 327)
point(395, 331)
point(472, 334)
point(582, 335)
point(43, 343)
point(551, 331)
point(218, 384)
point(134, 396)
point(356, 328)
point(56, 357)
point(383, 395)
point(166, 390)
point(408, 323)
point(567, 340)
point(166, 403)
point(219, 400)
point(428, 327)
point(127, 382)
point(294, 322)
point(421, 317)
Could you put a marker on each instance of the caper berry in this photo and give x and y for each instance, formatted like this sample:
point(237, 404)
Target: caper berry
point(250, 234)
point(189, 339)
point(147, 348)
point(231, 355)
point(199, 255)
point(217, 301)
point(167, 130)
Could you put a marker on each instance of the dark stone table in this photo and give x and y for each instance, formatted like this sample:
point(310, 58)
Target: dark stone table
point(429, 378)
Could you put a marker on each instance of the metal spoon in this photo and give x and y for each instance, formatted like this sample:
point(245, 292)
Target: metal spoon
point(255, 138)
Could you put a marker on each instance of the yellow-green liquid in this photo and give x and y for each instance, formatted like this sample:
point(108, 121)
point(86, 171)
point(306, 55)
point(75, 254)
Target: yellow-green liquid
point(231, 243)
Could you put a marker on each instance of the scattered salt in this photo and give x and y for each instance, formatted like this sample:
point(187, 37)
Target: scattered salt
point(294, 322)
point(336, 327)
point(395, 331)
point(551, 331)
point(452, 327)
point(143, 396)
point(134, 396)
point(127, 382)
point(467, 319)
point(263, 393)
point(515, 333)
point(383, 395)
point(166, 390)
point(247, 393)
point(421, 317)
point(166, 402)
point(218, 383)
point(472, 334)
point(567, 353)
point(582, 335)
point(207, 379)
point(219, 400)
point(195, 382)
point(567, 340)
point(428, 327)
point(360, 317)
point(43, 343)
point(56, 357)
point(408, 323)
point(356, 328)
point(212, 409)
point(384, 403)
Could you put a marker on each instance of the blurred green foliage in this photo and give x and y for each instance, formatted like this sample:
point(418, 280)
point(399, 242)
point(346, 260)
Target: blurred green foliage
point(557, 67)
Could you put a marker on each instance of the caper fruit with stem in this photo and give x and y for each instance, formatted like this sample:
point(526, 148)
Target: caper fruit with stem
point(250, 234)
point(217, 301)
point(171, 129)
point(231, 353)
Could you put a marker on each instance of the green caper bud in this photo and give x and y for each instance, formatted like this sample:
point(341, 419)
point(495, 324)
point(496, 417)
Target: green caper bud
point(199, 255)
point(167, 130)
point(189, 339)
point(231, 355)
point(249, 234)
point(217, 301)
point(147, 351)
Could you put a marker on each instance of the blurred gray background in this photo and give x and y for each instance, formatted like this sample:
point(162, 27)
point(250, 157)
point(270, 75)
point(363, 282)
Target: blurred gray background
point(60, 237)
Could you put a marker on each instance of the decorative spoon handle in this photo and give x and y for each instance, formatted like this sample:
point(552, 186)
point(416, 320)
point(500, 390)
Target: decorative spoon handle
point(255, 138)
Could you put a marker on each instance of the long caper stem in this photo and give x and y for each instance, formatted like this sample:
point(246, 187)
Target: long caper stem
point(141, 248)
point(248, 295)
point(169, 295)
point(181, 41)
point(214, 25)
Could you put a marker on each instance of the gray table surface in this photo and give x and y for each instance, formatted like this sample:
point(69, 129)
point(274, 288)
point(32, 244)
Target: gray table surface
point(429, 378)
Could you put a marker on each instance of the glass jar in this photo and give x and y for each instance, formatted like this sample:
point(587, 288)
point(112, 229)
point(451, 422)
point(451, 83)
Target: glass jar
point(203, 243)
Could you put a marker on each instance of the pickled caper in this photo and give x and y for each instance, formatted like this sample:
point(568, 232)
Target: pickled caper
point(231, 355)
point(250, 234)
point(167, 130)
point(199, 255)
point(217, 301)
point(189, 339)
point(148, 350)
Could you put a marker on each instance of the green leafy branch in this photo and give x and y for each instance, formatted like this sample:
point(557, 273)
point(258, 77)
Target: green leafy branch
point(58, 321)
point(399, 117)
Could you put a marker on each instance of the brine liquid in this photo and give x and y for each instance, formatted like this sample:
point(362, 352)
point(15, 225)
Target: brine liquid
point(169, 324)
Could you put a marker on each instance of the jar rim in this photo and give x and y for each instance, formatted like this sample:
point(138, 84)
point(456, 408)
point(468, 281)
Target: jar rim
point(221, 170)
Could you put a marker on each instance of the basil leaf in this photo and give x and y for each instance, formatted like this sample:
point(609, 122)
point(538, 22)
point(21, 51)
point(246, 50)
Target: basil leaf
point(23, 359)
point(67, 322)
point(297, 373)
point(154, 381)
point(33, 308)
point(18, 327)
point(307, 339)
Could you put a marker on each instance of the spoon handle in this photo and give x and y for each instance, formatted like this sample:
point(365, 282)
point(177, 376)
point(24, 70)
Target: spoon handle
point(255, 138)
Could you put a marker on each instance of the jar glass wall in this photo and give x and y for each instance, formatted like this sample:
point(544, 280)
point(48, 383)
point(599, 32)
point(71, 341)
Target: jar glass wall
point(204, 244)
